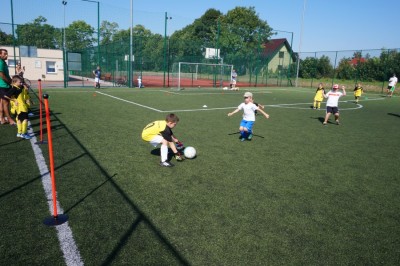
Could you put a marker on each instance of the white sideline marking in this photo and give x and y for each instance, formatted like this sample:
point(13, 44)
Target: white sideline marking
point(68, 246)
point(138, 104)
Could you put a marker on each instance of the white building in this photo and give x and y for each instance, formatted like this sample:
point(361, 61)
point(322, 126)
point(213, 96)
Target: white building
point(44, 64)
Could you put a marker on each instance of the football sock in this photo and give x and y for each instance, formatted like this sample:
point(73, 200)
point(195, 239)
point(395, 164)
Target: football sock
point(19, 127)
point(24, 126)
point(164, 153)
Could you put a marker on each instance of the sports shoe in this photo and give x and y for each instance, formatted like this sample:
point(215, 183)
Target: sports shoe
point(25, 136)
point(166, 164)
point(324, 123)
point(19, 135)
point(250, 136)
point(337, 122)
point(242, 139)
point(179, 157)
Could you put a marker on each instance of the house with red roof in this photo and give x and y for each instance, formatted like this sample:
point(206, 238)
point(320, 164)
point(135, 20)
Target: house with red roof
point(278, 54)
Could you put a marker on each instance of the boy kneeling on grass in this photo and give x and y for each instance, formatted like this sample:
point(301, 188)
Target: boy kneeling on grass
point(160, 132)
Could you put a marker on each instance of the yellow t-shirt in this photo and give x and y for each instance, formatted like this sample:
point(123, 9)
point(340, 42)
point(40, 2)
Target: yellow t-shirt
point(153, 129)
point(358, 91)
point(319, 95)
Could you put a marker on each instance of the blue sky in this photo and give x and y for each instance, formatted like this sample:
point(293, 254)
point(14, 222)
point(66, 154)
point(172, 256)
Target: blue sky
point(329, 25)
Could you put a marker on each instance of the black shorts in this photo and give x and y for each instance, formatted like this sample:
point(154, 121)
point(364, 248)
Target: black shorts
point(22, 116)
point(3, 91)
point(330, 109)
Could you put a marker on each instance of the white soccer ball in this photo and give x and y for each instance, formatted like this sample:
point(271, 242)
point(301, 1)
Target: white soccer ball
point(189, 152)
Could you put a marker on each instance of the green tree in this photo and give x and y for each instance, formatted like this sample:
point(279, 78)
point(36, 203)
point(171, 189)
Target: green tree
point(79, 36)
point(107, 31)
point(38, 34)
point(6, 39)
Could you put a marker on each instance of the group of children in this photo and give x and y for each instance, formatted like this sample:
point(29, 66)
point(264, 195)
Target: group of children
point(18, 96)
point(160, 132)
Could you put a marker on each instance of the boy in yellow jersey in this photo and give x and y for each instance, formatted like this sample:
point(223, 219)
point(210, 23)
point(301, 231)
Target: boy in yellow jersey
point(19, 97)
point(358, 90)
point(160, 132)
point(319, 96)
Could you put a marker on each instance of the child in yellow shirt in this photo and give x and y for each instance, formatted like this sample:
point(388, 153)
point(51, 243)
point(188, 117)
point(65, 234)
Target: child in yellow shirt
point(319, 96)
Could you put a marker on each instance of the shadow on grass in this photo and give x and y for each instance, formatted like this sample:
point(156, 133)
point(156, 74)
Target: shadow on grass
point(39, 177)
point(142, 218)
point(157, 152)
point(254, 135)
point(321, 119)
point(393, 114)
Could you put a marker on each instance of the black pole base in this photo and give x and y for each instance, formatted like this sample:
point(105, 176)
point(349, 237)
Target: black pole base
point(56, 220)
point(41, 142)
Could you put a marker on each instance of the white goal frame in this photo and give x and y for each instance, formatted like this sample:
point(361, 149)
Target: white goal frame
point(197, 66)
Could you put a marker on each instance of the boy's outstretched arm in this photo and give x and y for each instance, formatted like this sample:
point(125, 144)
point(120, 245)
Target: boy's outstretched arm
point(264, 113)
point(234, 112)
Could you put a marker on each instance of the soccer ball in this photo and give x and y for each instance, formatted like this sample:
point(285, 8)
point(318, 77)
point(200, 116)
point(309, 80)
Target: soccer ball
point(189, 152)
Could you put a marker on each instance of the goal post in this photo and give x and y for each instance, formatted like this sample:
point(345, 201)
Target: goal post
point(196, 75)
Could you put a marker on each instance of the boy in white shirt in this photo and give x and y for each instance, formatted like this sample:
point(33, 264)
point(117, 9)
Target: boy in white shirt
point(392, 85)
point(333, 102)
point(249, 117)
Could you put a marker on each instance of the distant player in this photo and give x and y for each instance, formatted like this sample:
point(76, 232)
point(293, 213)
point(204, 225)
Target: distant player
point(233, 80)
point(319, 96)
point(358, 90)
point(333, 102)
point(160, 132)
point(392, 85)
point(97, 76)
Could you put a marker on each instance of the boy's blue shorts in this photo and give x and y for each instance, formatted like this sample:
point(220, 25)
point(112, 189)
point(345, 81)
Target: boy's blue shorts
point(247, 124)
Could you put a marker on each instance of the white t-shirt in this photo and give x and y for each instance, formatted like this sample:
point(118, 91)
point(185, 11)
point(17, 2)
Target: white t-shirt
point(248, 111)
point(333, 98)
point(392, 81)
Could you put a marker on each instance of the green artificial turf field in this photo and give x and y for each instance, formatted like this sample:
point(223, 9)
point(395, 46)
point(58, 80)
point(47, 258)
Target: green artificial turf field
point(298, 193)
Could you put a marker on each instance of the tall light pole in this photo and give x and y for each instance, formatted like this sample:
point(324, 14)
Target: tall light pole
point(165, 45)
point(300, 43)
point(64, 49)
point(13, 33)
point(98, 29)
point(131, 49)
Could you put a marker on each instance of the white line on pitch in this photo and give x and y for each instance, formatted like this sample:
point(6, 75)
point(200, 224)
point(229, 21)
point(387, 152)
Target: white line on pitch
point(123, 100)
point(67, 243)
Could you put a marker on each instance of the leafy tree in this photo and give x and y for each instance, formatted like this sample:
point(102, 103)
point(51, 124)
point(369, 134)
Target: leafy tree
point(107, 31)
point(6, 39)
point(243, 31)
point(79, 36)
point(345, 70)
point(38, 34)
point(324, 67)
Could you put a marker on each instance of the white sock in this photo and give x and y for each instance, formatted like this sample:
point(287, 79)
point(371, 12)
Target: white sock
point(164, 153)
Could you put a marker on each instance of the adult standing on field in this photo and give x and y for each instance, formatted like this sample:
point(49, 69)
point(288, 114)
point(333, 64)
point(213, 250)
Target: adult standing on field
point(332, 104)
point(392, 85)
point(5, 81)
point(97, 76)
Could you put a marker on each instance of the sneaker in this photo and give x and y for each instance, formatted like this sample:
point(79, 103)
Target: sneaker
point(19, 135)
point(166, 164)
point(242, 139)
point(250, 136)
point(179, 158)
point(324, 123)
point(25, 136)
point(337, 122)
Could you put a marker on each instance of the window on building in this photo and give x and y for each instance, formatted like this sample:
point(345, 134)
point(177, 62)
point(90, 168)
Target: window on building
point(50, 67)
point(28, 51)
point(11, 63)
point(281, 54)
point(280, 67)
